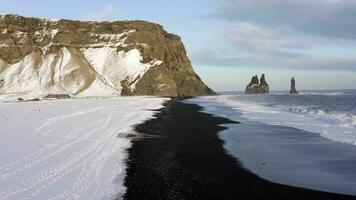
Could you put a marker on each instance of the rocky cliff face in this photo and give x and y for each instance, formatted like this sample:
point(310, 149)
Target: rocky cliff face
point(42, 57)
point(257, 86)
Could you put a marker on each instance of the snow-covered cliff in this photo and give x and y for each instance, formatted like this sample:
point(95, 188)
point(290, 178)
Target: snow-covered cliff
point(40, 57)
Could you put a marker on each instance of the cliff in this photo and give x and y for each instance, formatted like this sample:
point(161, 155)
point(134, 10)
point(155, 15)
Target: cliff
point(41, 57)
point(257, 86)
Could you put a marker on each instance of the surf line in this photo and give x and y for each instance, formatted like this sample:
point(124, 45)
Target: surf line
point(187, 161)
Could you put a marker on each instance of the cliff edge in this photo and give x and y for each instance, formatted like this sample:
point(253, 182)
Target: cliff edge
point(41, 57)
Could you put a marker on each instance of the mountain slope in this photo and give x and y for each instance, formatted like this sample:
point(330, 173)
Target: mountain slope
point(40, 57)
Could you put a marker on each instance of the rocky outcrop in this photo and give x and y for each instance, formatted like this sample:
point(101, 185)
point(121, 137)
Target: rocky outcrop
point(40, 57)
point(257, 86)
point(293, 90)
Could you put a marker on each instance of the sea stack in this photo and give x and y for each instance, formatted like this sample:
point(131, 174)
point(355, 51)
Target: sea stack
point(257, 86)
point(293, 90)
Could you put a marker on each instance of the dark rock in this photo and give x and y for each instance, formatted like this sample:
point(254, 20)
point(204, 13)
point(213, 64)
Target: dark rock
point(130, 135)
point(257, 86)
point(263, 80)
point(56, 96)
point(255, 80)
point(293, 90)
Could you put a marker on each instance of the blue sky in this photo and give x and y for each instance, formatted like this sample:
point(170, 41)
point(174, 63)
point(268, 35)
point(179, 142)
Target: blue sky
point(228, 41)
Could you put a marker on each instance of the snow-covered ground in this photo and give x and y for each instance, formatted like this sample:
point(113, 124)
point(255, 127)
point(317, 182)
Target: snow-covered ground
point(67, 149)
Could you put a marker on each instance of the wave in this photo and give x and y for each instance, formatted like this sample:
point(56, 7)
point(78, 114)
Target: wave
point(323, 93)
point(337, 126)
point(311, 93)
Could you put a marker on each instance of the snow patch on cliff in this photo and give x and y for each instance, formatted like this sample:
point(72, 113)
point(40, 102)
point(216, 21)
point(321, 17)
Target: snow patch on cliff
point(84, 73)
point(109, 39)
point(117, 66)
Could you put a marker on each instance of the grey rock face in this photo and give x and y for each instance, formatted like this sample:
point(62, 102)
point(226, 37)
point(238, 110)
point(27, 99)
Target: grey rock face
point(293, 90)
point(257, 86)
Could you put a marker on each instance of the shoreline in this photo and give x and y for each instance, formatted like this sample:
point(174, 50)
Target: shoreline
point(185, 159)
point(282, 154)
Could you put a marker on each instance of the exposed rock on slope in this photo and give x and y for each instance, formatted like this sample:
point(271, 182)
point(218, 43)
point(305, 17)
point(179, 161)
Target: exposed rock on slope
point(40, 57)
point(257, 86)
point(293, 90)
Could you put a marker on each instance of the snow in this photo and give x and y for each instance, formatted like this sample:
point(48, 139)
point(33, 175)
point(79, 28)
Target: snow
point(23, 79)
point(4, 45)
point(53, 33)
point(46, 32)
point(111, 37)
point(95, 70)
point(68, 149)
point(67, 72)
point(64, 73)
point(117, 66)
point(4, 31)
point(144, 45)
point(113, 40)
point(53, 20)
point(157, 62)
point(3, 15)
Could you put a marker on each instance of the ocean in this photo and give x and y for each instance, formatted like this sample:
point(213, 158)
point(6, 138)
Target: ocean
point(332, 114)
point(306, 140)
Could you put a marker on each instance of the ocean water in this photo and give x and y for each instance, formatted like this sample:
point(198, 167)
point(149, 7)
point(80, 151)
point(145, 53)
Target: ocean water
point(284, 137)
point(332, 114)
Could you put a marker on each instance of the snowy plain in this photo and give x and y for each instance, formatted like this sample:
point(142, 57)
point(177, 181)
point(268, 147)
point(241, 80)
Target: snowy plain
point(68, 149)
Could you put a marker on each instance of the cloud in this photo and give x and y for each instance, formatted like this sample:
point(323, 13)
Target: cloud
point(292, 34)
point(211, 57)
point(108, 13)
point(311, 62)
point(322, 18)
point(256, 38)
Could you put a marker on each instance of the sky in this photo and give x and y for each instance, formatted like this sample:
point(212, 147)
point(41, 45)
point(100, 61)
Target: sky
point(229, 41)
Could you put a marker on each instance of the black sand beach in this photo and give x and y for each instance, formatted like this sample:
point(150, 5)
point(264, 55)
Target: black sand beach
point(186, 160)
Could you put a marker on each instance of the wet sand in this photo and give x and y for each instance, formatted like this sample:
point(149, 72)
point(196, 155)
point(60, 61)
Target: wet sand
point(184, 159)
point(293, 157)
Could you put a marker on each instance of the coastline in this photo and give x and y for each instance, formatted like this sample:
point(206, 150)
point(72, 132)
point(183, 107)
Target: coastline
point(184, 159)
point(281, 153)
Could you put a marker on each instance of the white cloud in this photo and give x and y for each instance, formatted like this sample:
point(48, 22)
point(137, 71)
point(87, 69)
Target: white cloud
point(254, 38)
point(304, 61)
point(257, 38)
point(327, 18)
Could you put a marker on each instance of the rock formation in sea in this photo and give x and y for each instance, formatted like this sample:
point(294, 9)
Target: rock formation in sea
point(41, 57)
point(293, 90)
point(257, 86)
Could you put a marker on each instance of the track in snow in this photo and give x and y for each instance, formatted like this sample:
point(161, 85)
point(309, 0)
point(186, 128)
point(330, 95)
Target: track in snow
point(67, 149)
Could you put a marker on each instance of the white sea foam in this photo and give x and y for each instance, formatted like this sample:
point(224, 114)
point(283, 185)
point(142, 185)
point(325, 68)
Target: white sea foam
point(322, 93)
point(337, 126)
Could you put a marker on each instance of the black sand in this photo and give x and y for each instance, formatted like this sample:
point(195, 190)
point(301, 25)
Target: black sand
point(187, 161)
